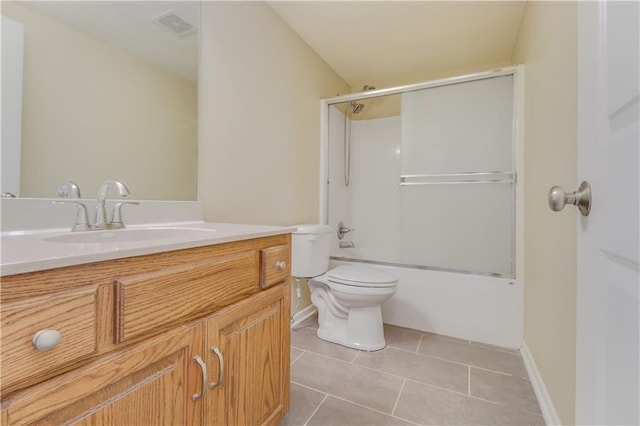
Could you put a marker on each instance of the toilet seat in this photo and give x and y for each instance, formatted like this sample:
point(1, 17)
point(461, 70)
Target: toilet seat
point(360, 277)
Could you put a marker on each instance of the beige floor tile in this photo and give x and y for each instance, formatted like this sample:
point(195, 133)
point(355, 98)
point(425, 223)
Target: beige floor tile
point(334, 411)
point(311, 322)
point(401, 338)
point(361, 385)
point(508, 390)
point(474, 355)
point(304, 402)
point(418, 367)
point(427, 405)
point(306, 339)
point(294, 354)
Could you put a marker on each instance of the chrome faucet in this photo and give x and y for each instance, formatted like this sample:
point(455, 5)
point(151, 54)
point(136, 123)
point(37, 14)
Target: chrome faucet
point(69, 189)
point(101, 214)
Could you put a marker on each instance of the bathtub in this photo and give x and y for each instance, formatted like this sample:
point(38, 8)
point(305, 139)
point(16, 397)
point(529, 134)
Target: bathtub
point(475, 307)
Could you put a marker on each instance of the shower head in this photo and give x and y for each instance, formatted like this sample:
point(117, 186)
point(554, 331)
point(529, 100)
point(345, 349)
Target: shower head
point(356, 107)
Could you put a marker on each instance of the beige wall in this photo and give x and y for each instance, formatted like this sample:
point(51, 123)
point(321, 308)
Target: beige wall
point(92, 112)
point(547, 44)
point(259, 131)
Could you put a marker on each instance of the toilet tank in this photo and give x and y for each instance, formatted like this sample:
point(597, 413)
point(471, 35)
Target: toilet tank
point(310, 250)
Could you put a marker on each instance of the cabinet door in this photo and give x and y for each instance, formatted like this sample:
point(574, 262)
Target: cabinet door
point(151, 383)
point(253, 338)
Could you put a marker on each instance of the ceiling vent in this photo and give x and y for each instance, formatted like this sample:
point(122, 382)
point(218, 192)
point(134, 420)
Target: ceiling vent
point(173, 23)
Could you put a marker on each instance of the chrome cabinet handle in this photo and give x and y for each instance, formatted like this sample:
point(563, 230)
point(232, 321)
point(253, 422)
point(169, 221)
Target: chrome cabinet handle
point(558, 198)
point(281, 264)
point(205, 380)
point(45, 340)
point(218, 354)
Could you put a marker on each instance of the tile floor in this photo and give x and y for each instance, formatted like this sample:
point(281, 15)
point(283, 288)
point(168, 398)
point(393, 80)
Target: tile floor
point(418, 379)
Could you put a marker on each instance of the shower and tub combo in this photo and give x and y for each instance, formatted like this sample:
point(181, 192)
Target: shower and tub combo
point(430, 177)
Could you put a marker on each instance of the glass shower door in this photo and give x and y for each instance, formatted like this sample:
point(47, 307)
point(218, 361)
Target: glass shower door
point(457, 177)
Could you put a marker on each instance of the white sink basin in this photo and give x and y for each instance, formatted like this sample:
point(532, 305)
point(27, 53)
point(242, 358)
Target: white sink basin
point(131, 235)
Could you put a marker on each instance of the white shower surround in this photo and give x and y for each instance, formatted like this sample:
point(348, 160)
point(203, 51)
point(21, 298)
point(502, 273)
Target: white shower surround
point(476, 307)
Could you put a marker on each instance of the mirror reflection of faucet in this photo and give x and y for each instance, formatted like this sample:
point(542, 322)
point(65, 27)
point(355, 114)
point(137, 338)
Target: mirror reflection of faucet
point(347, 244)
point(70, 189)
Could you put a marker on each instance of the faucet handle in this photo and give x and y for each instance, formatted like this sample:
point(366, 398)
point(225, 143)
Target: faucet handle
point(116, 217)
point(82, 217)
point(342, 230)
point(69, 189)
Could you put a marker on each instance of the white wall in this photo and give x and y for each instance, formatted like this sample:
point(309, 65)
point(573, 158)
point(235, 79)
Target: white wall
point(371, 203)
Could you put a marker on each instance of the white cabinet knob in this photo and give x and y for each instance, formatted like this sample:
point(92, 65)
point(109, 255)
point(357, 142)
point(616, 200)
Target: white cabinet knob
point(281, 264)
point(45, 340)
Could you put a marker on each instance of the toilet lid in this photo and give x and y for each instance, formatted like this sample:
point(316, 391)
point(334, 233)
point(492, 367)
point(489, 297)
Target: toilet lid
point(361, 277)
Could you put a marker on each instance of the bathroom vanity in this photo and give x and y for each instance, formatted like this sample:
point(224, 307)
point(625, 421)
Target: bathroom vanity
point(174, 332)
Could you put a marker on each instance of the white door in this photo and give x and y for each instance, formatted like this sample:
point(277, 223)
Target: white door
point(607, 374)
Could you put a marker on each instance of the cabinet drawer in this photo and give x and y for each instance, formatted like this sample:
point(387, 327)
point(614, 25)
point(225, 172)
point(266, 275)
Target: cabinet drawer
point(275, 265)
point(157, 300)
point(72, 314)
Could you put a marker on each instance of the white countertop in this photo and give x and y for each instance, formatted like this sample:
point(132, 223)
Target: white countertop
point(29, 251)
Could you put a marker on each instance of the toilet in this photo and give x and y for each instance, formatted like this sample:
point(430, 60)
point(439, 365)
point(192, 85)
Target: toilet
point(348, 298)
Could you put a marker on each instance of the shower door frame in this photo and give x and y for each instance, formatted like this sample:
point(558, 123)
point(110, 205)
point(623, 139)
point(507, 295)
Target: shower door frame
point(518, 73)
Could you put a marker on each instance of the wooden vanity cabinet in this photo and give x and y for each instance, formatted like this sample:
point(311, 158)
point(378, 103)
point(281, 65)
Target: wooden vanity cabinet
point(231, 326)
point(149, 383)
point(253, 337)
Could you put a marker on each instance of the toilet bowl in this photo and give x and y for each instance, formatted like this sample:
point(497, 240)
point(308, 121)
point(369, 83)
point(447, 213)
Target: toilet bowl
point(349, 311)
point(348, 298)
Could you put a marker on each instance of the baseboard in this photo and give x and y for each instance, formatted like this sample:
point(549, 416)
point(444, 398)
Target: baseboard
point(544, 399)
point(302, 315)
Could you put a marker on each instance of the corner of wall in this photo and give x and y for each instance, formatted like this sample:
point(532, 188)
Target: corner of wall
point(546, 44)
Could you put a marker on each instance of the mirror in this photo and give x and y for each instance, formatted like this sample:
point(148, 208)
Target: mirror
point(108, 92)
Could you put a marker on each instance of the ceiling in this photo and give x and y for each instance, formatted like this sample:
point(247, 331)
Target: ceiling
point(391, 43)
point(378, 43)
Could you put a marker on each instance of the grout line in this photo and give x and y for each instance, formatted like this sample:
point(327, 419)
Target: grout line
point(298, 357)
point(411, 351)
point(469, 381)
point(502, 404)
point(437, 387)
point(388, 373)
point(317, 408)
point(373, 409)
point(309, 387)
point(502, 373)
point(471, 365)
point(393, 411)
point(419, 344)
